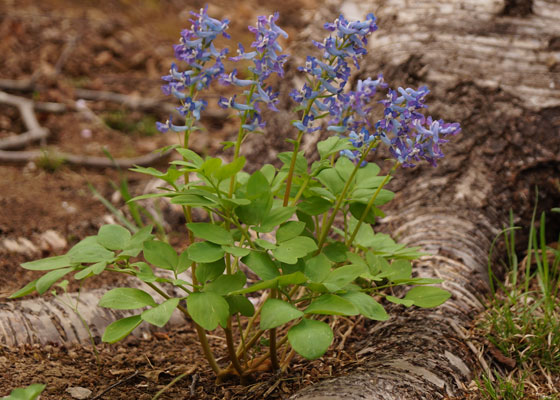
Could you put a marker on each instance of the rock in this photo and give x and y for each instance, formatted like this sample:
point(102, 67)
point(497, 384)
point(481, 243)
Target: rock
point(52, 240)
point(78, 392)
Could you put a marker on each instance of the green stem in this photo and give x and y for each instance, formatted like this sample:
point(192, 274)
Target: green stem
point(272, 341)
point(240, 137)
point(301, 190)
point(292, 168)
point(370, 204)
point(231, 349)
point(326, 226)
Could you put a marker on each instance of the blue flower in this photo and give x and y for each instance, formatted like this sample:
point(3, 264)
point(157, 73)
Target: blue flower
point(169, 126)
point(411, 136)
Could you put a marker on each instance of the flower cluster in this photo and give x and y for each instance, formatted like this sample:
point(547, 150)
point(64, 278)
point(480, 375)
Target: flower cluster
point(330, 74)
point(411, 136)
point(267, 61)
point(350, 113)
point(197, 50)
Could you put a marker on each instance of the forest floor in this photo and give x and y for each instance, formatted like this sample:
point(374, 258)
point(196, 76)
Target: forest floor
point(55, 48)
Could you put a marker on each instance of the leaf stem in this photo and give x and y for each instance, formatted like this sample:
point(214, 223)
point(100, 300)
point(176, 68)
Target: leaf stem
point(326, 226)
point(231, 349)
point(370, 204)
point(292, 168)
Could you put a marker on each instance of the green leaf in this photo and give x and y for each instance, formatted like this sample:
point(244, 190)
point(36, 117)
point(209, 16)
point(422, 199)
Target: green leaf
point(210, 232)
point(229, 170)
point(291, 268)
point(333, 145)
point(365, 234)
point(268, 170)
point(256, 212)
point(396, 300)
point(257, 185)
point(120, 329)
point(336, 252)
point(276, 312)
point(161, 254)
point(113, 237)
point(225, 284)
point(160, 314)
point(190, 155)
point(344, 167)
point(376, 264)
point(332, 180)
point(230, 204)
point(357, 209)
point(289, 230)
point(290, 250)
point(301, 162)
point(366, 173)
point(30, 392)
point(205, 252)
point(317, 268)
point(136, 242)
point(310, 338)
point(331, 304)
point(94, 269)
point(342, 276)
point(210, 271)
point(170, 176)
point(397, 270)
point(364, 195)
point(211, 165)
point(314, 205)
point(264, 244)
point(276, 217)
point(192, 200)
point(29, 288)
point(184, 262)
point(295, 278)
point(46, 281)
point(367, 306)
point(236, 251)
point(46, 264)
point(261, 264)
point(126, 299)
point(145, 272)
point(427, 296)
point(89, 251)
point(208, 309)
point(240, 304)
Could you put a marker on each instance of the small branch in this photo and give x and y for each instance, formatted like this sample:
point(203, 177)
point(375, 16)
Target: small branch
point(174, 381)
point(86, 161)
point(115, 385)
point(34, 130)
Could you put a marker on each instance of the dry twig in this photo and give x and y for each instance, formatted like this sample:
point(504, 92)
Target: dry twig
point(34, 130)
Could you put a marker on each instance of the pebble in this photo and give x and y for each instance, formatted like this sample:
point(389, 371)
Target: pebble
point(78, 392)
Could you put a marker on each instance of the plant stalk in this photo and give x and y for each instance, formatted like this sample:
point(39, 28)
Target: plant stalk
point(370, 204)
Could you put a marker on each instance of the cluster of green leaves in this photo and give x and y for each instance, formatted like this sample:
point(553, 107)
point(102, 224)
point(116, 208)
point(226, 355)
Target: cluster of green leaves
point(311, 273)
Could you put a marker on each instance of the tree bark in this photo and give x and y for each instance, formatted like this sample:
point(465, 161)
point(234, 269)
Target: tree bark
point(493, 66)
